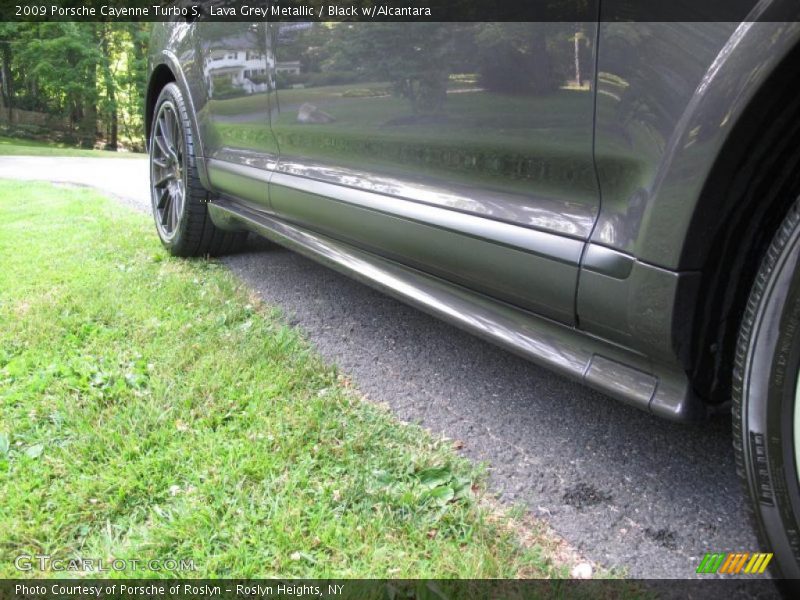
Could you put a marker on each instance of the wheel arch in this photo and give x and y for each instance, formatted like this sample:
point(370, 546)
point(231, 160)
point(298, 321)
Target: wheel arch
point(159, 78)
point(167, 69)
point(753, 182)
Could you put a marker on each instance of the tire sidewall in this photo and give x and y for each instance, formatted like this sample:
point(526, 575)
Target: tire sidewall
point(767, 409)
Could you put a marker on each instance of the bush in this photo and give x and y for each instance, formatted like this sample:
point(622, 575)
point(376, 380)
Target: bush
point(223, 87)
point(366, 93)
point(285, 80)
point(333, 78)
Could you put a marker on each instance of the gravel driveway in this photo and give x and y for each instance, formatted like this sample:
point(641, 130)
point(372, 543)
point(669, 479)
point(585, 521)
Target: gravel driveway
point(624, 488)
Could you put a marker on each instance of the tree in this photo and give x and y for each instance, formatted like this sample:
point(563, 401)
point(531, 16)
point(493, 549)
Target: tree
point(7, 33)
point(130, 79)
point(513, 57)
point(110, 110)
point(63, 59)
point(414, 57)
point(92, 74)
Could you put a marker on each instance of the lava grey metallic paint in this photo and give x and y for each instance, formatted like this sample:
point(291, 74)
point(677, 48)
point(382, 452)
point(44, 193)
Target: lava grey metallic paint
point(544, 205)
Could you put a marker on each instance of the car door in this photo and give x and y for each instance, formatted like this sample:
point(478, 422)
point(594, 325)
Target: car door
point(234, 64)
point(461, 149)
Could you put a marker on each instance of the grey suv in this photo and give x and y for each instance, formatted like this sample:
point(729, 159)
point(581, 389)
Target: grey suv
point(615, 201)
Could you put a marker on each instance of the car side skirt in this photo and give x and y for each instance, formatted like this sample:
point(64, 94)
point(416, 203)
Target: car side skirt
point(660, 389)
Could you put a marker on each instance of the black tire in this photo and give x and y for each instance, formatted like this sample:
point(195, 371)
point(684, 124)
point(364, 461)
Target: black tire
point(765, 381)
point(179, 200)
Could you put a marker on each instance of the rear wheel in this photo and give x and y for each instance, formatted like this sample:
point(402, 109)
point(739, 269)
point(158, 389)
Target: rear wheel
point(179, 200)
point(766, 390)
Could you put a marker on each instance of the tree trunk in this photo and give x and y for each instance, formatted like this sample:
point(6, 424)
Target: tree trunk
point(541, 67)
point(8, 82)
point(578, 81)
point(111, 96)
point(88, 118)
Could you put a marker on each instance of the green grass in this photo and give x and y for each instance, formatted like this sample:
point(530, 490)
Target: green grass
point(19, 147)
point(151, 408)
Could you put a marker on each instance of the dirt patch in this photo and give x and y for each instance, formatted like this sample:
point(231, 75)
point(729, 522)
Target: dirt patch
point(583, 495)
point(662, 537)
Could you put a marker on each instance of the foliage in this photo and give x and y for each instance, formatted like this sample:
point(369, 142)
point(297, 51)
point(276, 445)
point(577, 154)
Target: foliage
point(419, 60)
point(416, 58)
point(92, 74)
point(96, 73)
point(506, 50)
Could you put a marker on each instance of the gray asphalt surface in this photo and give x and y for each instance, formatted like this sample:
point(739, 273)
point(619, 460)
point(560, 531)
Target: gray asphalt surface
point(625, 489)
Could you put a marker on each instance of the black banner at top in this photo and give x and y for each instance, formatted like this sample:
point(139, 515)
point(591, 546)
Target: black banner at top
point(400, 10)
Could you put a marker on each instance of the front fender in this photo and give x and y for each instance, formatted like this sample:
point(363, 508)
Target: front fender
point(178, 43)
point(664, 118)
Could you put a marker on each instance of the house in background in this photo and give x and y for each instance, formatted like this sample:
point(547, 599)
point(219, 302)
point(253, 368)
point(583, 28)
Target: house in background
point(235, 67)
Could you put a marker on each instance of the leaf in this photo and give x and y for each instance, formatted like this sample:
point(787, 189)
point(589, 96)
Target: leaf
point(434, 476)
point(4, 444)
point(442, 494)
point(34, 451)
point(308, 557)
point(135, 380)
point(16, 367)
point(462, 487)
point(303, 556)
point(382, 477)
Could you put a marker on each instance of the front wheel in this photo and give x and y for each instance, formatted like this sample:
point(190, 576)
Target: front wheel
point(766, 398)
point(179, 200)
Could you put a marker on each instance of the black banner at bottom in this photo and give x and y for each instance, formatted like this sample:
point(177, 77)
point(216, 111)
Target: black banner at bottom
point(378, 589)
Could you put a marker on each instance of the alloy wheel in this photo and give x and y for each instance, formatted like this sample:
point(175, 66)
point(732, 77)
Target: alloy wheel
point(167, 170)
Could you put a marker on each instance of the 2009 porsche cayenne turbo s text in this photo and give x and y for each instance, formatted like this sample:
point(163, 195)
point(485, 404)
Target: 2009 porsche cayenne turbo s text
point(617, 201)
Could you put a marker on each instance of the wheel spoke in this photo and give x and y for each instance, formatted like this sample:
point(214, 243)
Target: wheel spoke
point(165, 213)
point(175, 134)
point(162, 198)
point(168, 143)
point(162, 127)
point(166, 126)
point(174, 214)
point(172, 153)
point(169, 130)
point(161, 142)
point(160, 162)
point(169, 176)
